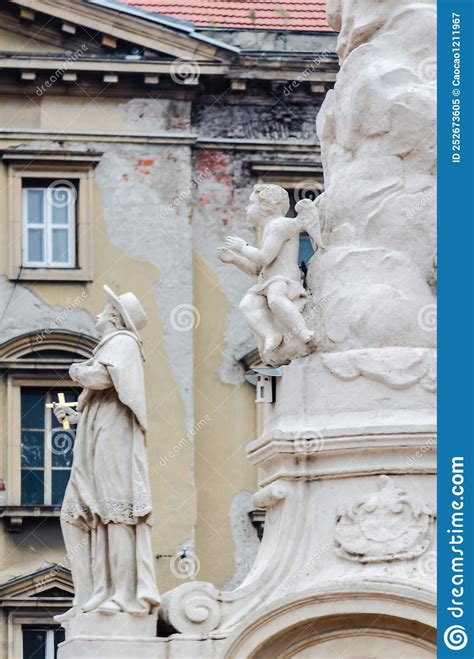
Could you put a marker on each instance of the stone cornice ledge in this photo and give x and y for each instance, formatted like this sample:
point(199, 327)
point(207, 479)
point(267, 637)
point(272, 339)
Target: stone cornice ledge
point(343, 457)
point(180, 139)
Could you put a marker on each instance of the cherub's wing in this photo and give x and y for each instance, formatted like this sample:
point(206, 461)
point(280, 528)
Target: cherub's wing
point(308, 216)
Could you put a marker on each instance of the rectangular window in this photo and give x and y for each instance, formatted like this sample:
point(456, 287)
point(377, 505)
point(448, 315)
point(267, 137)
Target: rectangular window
point(41, 642)
point(46, 448)
point(49, 224)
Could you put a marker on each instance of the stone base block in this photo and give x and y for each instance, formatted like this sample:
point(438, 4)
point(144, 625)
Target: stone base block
point(95, 624)
point(112, 648)
point(91, 635)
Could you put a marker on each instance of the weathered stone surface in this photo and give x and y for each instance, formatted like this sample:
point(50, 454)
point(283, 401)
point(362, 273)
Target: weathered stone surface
point(346, 460)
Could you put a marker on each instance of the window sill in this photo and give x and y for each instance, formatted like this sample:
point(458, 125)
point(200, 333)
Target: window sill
point(14, 515)
point(51, 274)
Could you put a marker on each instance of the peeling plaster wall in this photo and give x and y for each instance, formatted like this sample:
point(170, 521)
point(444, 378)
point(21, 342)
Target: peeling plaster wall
point(161, 211)
point(22, 310)
point(219, 211)
point(141, 242)
point(138, 188)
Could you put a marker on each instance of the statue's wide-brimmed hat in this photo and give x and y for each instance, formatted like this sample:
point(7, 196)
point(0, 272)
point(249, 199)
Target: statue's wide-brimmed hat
point(130, 309)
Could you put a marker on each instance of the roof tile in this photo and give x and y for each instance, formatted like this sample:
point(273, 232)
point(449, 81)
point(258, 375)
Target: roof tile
point(259, 14)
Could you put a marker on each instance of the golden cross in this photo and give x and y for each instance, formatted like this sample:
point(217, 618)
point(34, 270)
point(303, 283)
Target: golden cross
point(62, 401)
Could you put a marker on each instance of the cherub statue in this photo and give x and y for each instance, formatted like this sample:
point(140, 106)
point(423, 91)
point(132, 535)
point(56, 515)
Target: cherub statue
point(273, 307)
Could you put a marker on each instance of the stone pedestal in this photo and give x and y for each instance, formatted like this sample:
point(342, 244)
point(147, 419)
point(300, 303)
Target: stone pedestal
point(346, 461)
point(121, 636)
point(347, 479)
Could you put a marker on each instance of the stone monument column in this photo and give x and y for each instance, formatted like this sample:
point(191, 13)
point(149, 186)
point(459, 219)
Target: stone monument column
point(347, 457)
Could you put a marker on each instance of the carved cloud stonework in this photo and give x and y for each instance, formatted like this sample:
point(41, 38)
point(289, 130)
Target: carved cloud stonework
point(398, 368)
point(387, 525)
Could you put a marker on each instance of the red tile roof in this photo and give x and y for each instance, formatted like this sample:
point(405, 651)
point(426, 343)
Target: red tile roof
point(260, 14)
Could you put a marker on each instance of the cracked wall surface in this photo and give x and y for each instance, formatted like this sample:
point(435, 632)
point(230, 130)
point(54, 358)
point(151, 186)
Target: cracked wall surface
point(164, 200)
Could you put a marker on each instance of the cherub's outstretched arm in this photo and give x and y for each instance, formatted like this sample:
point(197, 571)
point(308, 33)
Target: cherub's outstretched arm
point(260, 257)
point(226, 255)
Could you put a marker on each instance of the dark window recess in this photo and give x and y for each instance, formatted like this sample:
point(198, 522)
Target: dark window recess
point(46, 449)
point(41, 642)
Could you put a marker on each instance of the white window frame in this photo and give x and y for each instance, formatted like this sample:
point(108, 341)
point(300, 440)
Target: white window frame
point(51, 166)
point(47, 468)
point(48, 227)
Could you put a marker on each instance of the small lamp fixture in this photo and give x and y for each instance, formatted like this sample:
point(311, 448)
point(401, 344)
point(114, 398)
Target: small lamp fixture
point(264, 381)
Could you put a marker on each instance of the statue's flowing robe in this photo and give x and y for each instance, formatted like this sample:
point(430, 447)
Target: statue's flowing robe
point(109, 478)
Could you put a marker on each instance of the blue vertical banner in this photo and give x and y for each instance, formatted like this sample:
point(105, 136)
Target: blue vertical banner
point(456, 328)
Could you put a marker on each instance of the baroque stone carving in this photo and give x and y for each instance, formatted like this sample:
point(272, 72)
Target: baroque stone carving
point(106, 515)
point(368, 286)
point(398, 368)
point(385, 526)
point(377, 129)
point(192, 608)
point(270, 495)
point(273, 307)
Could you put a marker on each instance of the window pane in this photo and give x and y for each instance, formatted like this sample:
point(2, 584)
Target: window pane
point(59, 637)
point(32, 488)
point(62, 445)
point(32, 409)
point(35, 245)
point(59, 480)
point(35, 206)
point(59, 211)
point(60, 246)
point(59, 214)
point(34, 643)
point(60, 200)
point(32, 448)
point(54, 422)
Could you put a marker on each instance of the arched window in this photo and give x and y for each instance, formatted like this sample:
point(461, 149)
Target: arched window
point(35, 369)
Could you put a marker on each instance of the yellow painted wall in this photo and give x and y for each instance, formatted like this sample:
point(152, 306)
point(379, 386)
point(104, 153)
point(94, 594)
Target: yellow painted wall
point(222, 469)
point(193, 494)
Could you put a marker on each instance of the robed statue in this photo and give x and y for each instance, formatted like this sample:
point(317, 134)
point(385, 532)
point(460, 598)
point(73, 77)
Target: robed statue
point(106, 515)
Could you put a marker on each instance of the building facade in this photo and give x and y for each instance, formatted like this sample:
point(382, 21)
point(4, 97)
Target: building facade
point(130, 142)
